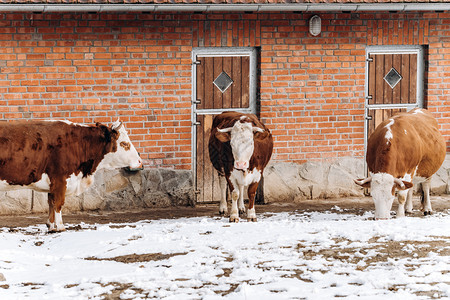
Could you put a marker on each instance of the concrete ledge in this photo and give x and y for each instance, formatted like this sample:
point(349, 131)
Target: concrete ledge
point(112, 190)
point(119, 190)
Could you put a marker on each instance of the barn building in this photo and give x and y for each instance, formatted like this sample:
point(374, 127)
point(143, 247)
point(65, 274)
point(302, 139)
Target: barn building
point(320, 74)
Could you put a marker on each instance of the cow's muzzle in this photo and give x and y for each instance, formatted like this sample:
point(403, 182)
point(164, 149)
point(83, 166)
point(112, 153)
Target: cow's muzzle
point(241, 165)
point(135, 169)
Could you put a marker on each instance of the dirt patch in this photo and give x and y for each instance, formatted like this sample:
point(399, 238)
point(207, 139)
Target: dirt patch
point(138, 258)
point(384, 251)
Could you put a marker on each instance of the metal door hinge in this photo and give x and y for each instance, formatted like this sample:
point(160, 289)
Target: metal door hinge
point(369, 59)
point(196, 123)
point(197, 192)
point(368, 117)
point(196, 101)
point(196, 62)
point(369, 97)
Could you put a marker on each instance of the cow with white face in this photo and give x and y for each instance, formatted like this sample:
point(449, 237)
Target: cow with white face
point(402, 148)
point(60, 158)
point(240, 147)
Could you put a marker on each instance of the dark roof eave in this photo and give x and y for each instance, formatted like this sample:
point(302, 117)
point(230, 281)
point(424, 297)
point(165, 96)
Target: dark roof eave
point(303, 7)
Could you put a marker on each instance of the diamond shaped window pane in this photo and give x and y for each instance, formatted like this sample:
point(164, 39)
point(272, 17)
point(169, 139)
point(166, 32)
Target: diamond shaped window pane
point(392, 77)
point(223, 82)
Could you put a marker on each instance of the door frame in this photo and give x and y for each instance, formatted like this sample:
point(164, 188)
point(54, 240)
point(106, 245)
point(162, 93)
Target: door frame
point(392, 49)
point(251, 52)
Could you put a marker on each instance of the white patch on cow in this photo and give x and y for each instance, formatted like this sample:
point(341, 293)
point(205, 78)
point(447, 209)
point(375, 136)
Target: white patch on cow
point(122, 157)
point(242, 144)
point(77, 184)
point(59, 225)
point(389, 134)
point(43, 185)
point(251, 214)
point(407, 177)
point(418, 111)
point(68, 122)
point(406, 132)
point(381, 191)
point(245, 178)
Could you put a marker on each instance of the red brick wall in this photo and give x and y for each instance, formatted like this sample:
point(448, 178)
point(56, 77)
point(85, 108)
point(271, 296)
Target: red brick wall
point(98, 67)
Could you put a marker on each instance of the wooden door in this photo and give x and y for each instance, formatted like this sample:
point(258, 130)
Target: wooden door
point(224, 81)
point(392, 86)
point(394, 83)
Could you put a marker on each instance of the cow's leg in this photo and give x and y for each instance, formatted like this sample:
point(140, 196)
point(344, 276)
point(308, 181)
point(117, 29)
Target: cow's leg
point(223, 209)
point(56, 196)
point(51, 212)
point(409, 202)
point(241, 205)
point(402, 195)
point(426, 203)
point(235, 187)
point(234, 214)
point(251, 214)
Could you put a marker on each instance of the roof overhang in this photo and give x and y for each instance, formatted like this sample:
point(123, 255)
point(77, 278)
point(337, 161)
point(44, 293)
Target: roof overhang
point(301, 7)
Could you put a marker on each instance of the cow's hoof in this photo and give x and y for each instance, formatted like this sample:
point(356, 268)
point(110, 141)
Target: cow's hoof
point(427, 213)
point(234, 220)
point(242, 211)
point(222, 213)
point(252, 219)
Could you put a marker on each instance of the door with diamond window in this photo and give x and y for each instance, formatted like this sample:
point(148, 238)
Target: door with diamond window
point(224, 80)
point(394, 83)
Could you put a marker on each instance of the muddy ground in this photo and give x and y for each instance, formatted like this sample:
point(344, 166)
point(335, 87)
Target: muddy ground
point(332, 254)
point(350, 205)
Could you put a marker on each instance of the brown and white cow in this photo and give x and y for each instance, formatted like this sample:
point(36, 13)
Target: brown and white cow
point(60, 158)
point(240, 146)
point(406, 146)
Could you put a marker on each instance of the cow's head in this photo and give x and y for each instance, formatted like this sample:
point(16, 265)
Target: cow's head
point(241, 137)
point(124, 154)
point(382, 189)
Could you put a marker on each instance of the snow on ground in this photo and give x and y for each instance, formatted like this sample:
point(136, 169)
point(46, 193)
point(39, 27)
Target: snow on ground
point(297, 255)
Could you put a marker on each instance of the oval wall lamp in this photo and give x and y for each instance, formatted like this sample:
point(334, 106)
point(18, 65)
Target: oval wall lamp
point(315, 25)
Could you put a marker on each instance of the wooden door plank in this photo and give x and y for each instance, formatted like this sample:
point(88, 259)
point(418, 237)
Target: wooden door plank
point(228, 68)
point(387, 97)
point(207, 165)
point(209, 78)
point(236, 91)
point(405, 87)
point(379, 74)
point(412, 78)
point(245, 82)
point(200, 160)
point(397, 64)
point(217, 93)
point(372, 80)
point(200, 78)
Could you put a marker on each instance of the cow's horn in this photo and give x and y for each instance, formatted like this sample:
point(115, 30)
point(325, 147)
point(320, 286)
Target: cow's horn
point(257, 129)
point(399, 182)
point(224, 129)
point(364, 181)
point(116, 125)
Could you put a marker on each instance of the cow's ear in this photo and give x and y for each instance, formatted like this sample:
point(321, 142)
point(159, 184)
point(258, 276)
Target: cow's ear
point(363, 182)
point(223, 136)
point(406, 185)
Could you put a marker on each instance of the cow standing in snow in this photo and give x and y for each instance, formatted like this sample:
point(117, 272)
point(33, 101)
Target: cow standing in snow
point(240, 146)
point(60, 158)
point(406, 146)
